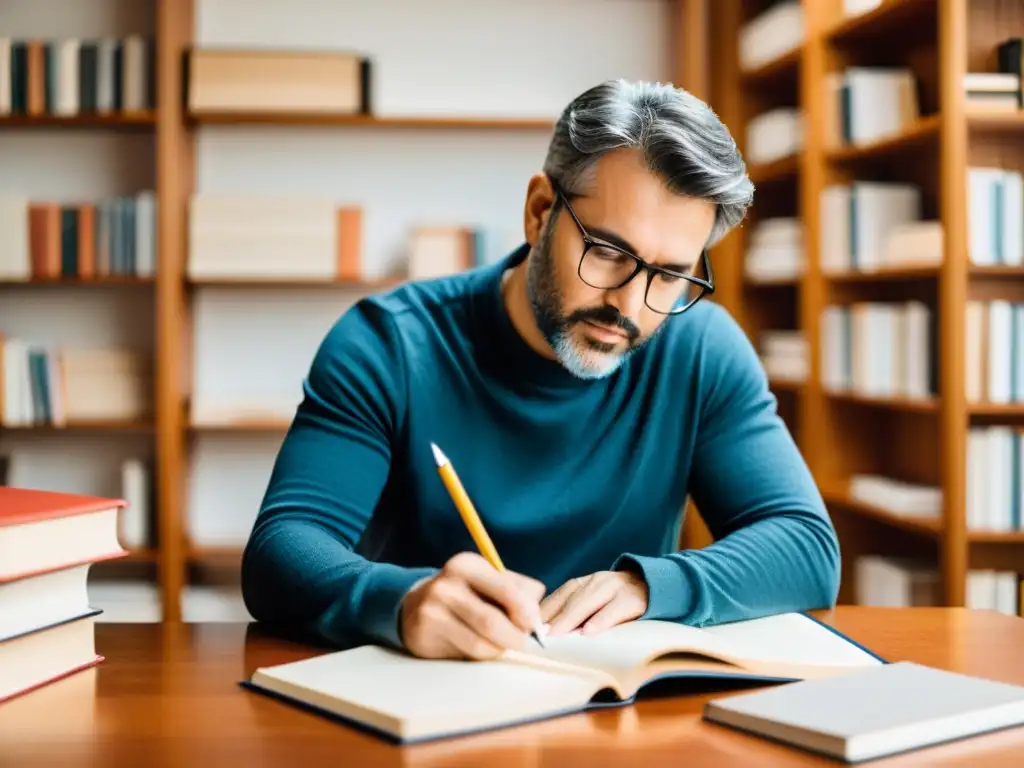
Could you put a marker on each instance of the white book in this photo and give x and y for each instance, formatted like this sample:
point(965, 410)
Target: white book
point(874, 713)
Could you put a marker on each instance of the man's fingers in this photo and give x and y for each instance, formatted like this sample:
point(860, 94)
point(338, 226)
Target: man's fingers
point(498, 586)
point(467, 643)
point(618, 610)
point(583, 603)
point(554, 602)
point(531, 587)
point(483, 618)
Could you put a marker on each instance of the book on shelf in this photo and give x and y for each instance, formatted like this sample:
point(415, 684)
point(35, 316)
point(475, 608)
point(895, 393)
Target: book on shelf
point(48, 543)
point(83, 240)
point(60, 386)
point(438, 251)
point(995, 216)
point(282, 81)
point(995, 478)
point(775, 134)
point(997, 91)
point(1010, 60)
point(273, 237)
point(771, 34)
point(889, 581)
point(775, 250)
point(880, 349)
point(75, 75)
point(869, 226)
point(918, 501)
point(869, 104)
point(994, 351)
point(784, 355)
point(409, 699)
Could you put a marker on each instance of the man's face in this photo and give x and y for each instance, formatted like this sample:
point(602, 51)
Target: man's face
point(593, 330)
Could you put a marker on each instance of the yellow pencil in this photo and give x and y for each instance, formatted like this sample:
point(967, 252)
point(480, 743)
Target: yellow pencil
point(469, 515)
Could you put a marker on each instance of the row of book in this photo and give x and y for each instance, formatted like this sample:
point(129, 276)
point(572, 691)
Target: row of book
point(45, 386)
point(50, 240)
point(256, 237)
point(784, 356)
point(775, 250)
point(994, 351)
point(908, 582)
point(995, 478)
point(71, 76)
point(771, 34)
point(874, 225)
point(880, 349)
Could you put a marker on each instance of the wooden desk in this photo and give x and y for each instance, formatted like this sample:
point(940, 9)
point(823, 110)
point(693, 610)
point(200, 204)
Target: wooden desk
point(168, 696)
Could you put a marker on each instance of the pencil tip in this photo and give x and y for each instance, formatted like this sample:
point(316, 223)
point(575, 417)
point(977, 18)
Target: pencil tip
point(439, 458)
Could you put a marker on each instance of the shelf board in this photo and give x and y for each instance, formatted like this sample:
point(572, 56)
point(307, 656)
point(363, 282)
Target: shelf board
point(773, 282)
point(996, 537)
point(840, 498)
point(83, 426)
point(1004, 410)
point(78, 282)
point(890, 17)
point(982, 119)
point(85, 120)
point(905, 404)
point(924, 130)
point(919, 272)
point(786, 385)
point(781, 68)
point(367, 121)
point(985, 271)
point(285, 282)
point(777, 170)
point(214, 554)
point(249, 425)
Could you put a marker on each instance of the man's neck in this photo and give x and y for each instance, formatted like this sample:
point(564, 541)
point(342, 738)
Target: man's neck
point(517, 304)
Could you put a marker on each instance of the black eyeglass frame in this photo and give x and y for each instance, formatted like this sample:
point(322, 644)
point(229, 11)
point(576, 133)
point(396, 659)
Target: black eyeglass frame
point(707, 286)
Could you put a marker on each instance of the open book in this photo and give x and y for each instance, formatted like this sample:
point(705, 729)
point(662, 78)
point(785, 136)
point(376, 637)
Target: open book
point(407, 699)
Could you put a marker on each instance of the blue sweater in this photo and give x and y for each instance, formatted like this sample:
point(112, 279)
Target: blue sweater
point(569, 476)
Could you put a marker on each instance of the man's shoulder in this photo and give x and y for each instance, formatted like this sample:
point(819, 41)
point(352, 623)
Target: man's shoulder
point(701, 329)
point(407, 316)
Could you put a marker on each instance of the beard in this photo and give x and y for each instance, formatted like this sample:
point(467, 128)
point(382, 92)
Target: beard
point(585, 358)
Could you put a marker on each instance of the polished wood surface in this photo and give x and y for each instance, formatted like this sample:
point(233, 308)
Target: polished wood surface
point(168, 695)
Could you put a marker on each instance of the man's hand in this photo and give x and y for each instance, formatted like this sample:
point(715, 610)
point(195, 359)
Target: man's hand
point(596, 602)
point(469, 610)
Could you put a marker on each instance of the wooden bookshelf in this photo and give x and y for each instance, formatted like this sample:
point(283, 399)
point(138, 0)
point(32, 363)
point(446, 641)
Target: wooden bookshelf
point(367, 121)
point(843, 433)
point(122, 120)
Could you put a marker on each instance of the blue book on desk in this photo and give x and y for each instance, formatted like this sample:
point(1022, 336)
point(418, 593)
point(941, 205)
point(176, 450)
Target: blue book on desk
point(407, 699)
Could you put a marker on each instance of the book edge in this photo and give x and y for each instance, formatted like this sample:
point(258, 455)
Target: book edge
point(845, 637)
point(394, 738)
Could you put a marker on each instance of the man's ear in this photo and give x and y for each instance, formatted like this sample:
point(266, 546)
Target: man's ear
point(539, 199)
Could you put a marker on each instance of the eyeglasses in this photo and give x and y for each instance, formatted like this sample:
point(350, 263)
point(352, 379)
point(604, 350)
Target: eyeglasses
point(609, 267)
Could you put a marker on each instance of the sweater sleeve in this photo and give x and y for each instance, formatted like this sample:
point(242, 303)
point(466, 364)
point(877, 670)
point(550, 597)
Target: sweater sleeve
point(775, 548)
point(300, 568)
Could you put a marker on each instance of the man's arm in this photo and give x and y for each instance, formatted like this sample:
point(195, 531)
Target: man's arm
point(299, 567)
point(776, 549)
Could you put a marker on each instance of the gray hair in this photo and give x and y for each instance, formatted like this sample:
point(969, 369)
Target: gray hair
point(681, 138)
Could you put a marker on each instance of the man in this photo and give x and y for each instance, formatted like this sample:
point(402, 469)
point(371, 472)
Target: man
point(582, 390)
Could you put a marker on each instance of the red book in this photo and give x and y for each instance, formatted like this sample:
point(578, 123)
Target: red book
point(42, 531)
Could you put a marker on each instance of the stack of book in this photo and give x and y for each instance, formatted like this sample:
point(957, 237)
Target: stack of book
point(48, 541)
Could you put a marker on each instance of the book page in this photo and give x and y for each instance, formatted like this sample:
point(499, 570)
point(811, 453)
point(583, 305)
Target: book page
point(409, 696)
point(626, 646)
point(790, 638)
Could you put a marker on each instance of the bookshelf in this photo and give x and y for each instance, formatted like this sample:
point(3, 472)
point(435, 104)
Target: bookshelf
point(202, 330)
point(910, 430)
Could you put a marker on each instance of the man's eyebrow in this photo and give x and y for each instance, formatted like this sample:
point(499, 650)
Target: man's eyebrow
point(599, 233)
